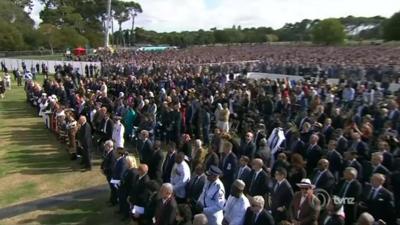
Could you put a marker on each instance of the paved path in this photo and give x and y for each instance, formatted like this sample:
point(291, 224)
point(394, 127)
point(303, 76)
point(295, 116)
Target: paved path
point(44, 203)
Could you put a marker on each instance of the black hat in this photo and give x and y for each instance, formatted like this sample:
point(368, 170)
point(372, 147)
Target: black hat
point(213, 170)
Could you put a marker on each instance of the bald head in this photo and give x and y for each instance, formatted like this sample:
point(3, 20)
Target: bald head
point(143, 169)
point(323, 164)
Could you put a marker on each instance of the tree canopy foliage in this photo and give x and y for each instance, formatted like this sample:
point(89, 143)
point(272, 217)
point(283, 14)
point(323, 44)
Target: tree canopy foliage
point(392, 28)
point(72, 23)
point(329, 31)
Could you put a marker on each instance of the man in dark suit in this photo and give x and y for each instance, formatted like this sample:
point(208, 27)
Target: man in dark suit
point(155, 166)
point(384, 148)
point(145, 147)
point(350, 188)
point(305, 205)
point(281, 196)
point(244, 170)
point(106, 127)
point(195, 185)
point(323, 178)
point(107, 167)
point(260, 181)
point(350, 160)
point(314, 154)
point(137, 196)
point(169, 162)
point(247, 147)
point(342, 142)
point(84, 137)
point(166, 208)
point(298, 146)
point(360, 146)
point(328, 130)
point(256, 214)
point(379, 201)
point(228, 165)
point(335, 159)
point(375, 166)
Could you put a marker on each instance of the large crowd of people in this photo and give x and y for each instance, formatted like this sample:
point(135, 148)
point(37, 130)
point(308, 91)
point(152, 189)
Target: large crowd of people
point(185, 143)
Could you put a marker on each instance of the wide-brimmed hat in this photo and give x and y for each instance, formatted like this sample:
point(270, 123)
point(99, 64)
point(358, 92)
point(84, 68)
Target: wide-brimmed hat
point(305, 183)
point(214, 171)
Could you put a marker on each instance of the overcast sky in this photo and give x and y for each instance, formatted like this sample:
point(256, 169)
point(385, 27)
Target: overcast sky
point(178, 15)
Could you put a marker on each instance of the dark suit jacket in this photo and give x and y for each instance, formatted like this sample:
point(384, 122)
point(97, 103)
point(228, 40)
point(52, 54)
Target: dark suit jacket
point(326, 181)
point(353, 191)
point(138, 194)
point(335, 162)
point(228, 165)
point(107, 134)
point(84, 136)
point(166, 213)
point(108, 164)
point(264, 218)
point(265, 155)
point(382, 206)
point(260, 186)
point(314, 154)
point(281, 196)
point(193, 191)
point(211, 159)
point(155, 166)
point(129, 180)
point(342, 144)
point(121, 166)
point(145, 151)
point(328, 133)
point(309, 210)
point(369, 170)
point(167, 167)
point(299, 147)
point(248, 149)
point(245, 176)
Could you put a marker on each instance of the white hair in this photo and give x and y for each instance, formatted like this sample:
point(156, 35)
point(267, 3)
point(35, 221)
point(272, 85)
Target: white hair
point(109, 143)
point(200, 219)
point(259, 200)
point(352, 170)
point(168, 186)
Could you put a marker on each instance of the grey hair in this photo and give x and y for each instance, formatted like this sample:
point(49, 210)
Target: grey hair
point(109, 143)
point(259, 200)
point(168, 186)
point(352, 170)
point(200, 219)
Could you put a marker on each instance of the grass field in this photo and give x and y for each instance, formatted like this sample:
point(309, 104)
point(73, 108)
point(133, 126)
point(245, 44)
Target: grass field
point(34, 165)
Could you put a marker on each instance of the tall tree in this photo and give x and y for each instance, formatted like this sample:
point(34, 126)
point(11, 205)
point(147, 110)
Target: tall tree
point(329, 31)
point(392, 28)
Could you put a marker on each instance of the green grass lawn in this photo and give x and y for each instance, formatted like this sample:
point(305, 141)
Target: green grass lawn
point(34, 165)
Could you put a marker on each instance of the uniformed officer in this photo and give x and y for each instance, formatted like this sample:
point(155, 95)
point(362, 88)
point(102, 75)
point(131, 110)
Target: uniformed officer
point(212, 199)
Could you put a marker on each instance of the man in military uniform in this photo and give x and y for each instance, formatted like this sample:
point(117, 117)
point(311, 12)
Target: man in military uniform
point(212, 199)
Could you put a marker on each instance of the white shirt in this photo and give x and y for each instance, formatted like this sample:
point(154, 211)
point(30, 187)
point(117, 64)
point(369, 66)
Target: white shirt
point(180, 176)
point(118, 135)
point(235, 209)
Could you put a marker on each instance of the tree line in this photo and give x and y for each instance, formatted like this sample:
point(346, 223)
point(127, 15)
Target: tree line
point(72, 23)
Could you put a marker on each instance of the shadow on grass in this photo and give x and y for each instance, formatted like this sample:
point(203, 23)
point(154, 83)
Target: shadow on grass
point(31, 147)
point(69, 207)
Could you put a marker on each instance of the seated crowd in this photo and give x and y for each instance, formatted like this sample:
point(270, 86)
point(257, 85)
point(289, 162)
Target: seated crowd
point(184, 145)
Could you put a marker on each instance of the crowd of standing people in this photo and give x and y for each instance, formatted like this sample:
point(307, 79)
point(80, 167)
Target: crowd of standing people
point(185, 142)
